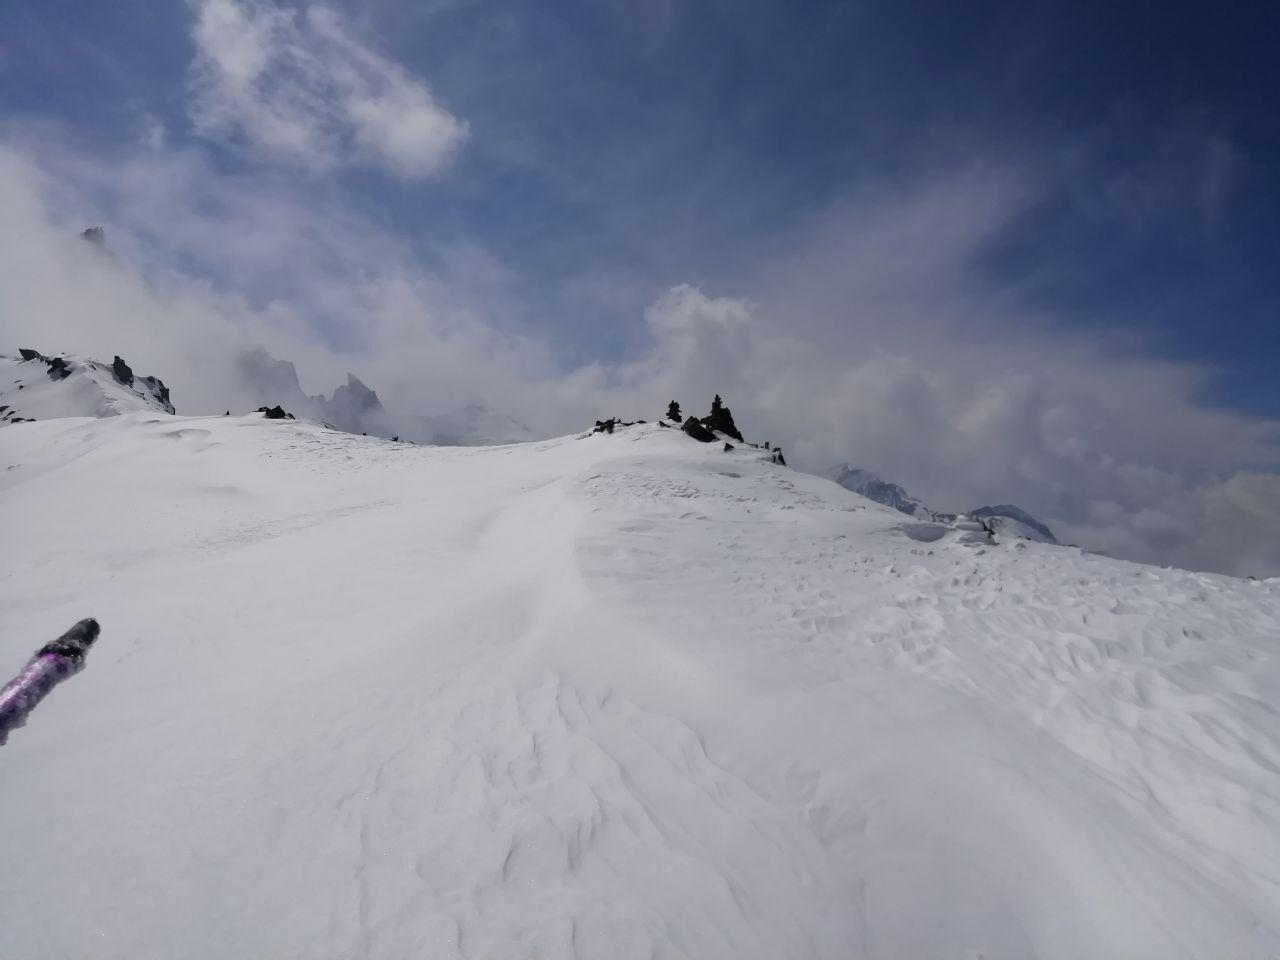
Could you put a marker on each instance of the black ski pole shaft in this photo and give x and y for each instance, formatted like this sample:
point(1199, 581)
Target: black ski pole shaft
point(52, 664)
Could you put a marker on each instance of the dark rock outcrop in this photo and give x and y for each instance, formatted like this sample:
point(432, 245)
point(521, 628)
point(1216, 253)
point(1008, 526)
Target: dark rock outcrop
point(28, 354)
point(721, 419)
point(59, 369)
point(155, 386)
point(673, 412)
point(605, 426)
point(351, 405)
point(728, 447)
point(121, 371)
point(694, 428)
point(275, 413)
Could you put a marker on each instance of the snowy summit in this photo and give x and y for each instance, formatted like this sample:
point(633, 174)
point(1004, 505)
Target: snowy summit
point(36, 387)
point(618, 694)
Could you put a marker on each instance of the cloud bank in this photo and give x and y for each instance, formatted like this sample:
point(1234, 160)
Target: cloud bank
point(297, 88)
point(903, 373)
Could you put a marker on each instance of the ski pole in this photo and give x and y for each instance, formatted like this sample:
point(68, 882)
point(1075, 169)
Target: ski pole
point(52, 664)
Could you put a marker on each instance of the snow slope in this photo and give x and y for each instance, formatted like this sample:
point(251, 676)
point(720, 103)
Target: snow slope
point(620, 696)
point(90, 389)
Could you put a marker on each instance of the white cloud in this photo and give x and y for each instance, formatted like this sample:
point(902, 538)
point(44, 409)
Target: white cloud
point(850, 349)
point(297, 88)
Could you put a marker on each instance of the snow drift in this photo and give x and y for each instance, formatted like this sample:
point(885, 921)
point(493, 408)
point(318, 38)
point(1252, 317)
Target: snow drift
point(623, 696)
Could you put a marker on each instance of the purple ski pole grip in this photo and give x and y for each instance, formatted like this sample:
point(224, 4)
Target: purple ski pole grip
point(52, 664)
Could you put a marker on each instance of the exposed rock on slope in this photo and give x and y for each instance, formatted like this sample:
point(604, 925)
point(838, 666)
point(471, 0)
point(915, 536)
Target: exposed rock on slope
point(694, 428)
point(720, 419)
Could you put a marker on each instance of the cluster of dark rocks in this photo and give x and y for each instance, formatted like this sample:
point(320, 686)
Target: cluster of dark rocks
point(708, 429)
point(704, 429)
point(608, 426)
point(276, 413)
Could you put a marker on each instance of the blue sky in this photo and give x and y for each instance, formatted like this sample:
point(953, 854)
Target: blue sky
point(664, 142)
point(1046, 229)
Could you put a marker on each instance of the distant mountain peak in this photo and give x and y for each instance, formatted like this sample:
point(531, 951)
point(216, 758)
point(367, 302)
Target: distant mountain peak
point(355, 407)
point(1006, 516)
point(869, 485)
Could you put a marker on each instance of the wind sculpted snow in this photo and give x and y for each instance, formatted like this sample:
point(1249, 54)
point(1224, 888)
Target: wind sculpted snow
point(620, 696)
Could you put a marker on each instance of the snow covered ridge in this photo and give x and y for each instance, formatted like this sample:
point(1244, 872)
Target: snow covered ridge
point(36, 387)
point(1005, 518)
point(620, 695)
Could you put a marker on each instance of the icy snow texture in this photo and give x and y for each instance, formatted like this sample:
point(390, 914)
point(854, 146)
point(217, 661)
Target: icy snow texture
point(622, 696)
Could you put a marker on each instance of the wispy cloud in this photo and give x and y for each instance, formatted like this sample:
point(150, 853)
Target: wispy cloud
point(296, 87)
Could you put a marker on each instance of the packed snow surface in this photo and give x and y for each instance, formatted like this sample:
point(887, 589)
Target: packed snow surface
point(620, 696)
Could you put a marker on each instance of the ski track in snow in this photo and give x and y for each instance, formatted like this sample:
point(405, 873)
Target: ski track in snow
point(617, 696)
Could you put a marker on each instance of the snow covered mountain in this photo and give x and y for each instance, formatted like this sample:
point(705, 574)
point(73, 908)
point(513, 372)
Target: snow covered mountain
point(618, 695)
point(1005, 518)
point(1016, 521)
point(867, 484)
point(36, 387)
point(356, 408)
